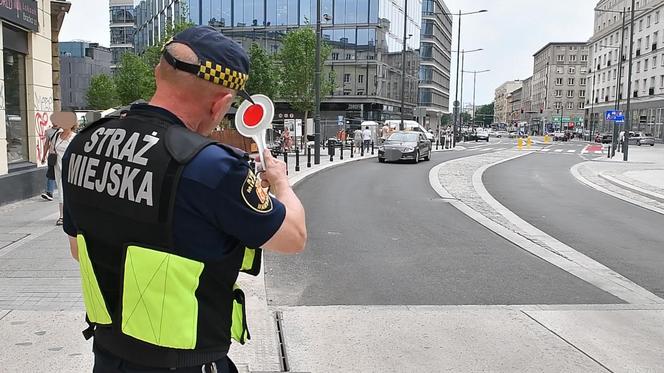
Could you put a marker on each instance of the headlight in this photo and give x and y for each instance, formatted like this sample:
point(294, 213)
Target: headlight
point(408, 150)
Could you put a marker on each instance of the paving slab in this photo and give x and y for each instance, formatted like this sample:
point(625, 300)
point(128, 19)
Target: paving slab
point(44, 341)
point(621, 340)
point(424, 339)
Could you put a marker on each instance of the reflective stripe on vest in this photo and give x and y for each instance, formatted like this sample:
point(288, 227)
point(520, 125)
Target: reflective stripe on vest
point(95, 306)
point(239, 329)
point(251, 262)
point(159, 304)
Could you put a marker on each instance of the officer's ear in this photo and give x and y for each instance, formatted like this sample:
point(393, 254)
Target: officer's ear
point(222, 104)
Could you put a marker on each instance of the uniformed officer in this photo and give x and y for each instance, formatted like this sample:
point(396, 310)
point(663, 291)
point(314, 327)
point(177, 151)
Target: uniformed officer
point(162, 219)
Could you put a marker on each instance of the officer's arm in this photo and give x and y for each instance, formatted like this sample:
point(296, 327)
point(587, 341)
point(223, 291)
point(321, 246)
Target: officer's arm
point(73, 247)
point(292, 234)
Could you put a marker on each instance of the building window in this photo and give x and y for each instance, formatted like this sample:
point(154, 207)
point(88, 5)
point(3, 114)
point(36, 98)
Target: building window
point(558, 93)
point(558, 105)
point(570, 105)
point(570, 81)
point(572, 70)
point(661, 82)
point(654, 61)
point(648, 22)
point(582, 93)
point(559, 81)
point(335, 56)
point(15, 106)
point(645, 65)
point(349, 56)
point(360, 78)
point(580, 107)
point(584, 58)
point(582, 81)
point(561, 58)
point(572, 58)
point(346, 78)
point(570, 93)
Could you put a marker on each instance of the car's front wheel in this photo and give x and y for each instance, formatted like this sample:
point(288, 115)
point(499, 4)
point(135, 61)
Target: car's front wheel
point(638, 143)
point(428, 157)
point(417, 156)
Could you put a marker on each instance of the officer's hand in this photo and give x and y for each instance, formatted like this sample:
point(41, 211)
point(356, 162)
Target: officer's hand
point(274, 173)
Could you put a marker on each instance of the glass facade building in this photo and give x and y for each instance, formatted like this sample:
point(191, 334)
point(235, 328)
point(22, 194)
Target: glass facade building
point(435, 61)
point(122, 28)
point(366, 37)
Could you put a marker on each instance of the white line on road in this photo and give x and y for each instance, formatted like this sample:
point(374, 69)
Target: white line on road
point(571, 151)
point(558, 150)
point(546, 150)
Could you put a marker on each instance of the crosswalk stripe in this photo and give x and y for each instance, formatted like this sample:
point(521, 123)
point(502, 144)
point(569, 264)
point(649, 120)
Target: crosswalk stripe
point(558, 150)
point(546, 150)
point(598, 152)
point(571, 151)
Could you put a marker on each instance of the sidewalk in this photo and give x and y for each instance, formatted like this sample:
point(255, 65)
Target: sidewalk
point(41, 307)
point(639, 181)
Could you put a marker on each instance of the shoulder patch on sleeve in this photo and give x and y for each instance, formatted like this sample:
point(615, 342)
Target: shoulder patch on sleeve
point(255, 196)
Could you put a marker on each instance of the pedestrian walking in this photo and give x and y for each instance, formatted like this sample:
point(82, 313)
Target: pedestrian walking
point(357, 139)
point(66, 123)
point(288, 139)
point(50, 158)
point(366, 138)
point(162, 218)
point(384, 133)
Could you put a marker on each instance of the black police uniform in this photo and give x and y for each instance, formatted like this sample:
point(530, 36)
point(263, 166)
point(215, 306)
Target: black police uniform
point(149, 303)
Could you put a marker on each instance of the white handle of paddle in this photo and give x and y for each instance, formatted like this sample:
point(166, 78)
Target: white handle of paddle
point(260, 143)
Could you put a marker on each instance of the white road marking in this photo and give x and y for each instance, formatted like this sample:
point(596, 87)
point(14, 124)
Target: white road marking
point(558, 150)
point(546, 150)
point(571, 151)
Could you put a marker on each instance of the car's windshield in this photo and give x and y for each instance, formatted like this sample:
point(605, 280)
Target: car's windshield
point(403, 137)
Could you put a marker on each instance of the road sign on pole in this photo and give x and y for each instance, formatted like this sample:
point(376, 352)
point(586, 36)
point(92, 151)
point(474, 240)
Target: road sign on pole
point(616, 115)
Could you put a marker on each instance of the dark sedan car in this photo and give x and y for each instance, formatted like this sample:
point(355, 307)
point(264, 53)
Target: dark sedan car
point(405, 145)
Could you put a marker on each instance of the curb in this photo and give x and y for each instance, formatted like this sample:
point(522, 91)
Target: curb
point(577, 175)
point(557, 253)
point(627, 185)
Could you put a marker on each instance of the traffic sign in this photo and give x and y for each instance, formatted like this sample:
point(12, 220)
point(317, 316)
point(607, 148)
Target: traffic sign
point(252, 119)
point(616, 115)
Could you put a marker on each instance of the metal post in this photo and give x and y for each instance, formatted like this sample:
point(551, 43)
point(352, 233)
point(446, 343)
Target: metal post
point(297, 159)
point(286, 160)
point(628, 115)
point(352, 146)
point(592, 109)
point(372, 147)
point(403, 65)
point(614, 140)
point(317, 88)
point(463, 58)
point(474, 86)
point(341, 155)
point(308, 156)
point(362, 149)
point(456, 93)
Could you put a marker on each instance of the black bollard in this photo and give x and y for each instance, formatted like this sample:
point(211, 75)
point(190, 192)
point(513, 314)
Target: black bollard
point(297, 159)
point(286, 160)
point(352, 146)
point(437, 143)
point(308, 156)
point(372, 148)
point(362, 149)
point(608, 153)
point(341, 155)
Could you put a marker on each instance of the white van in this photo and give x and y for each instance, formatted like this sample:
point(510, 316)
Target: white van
point(410, 125)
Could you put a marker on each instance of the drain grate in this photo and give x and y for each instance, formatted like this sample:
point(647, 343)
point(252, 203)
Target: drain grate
point(283, 358)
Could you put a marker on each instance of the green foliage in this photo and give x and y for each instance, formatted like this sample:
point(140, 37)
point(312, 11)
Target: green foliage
point(101, 93)
point(264, 75)
point(485, 113)
point(298, 66)
point(134, 79)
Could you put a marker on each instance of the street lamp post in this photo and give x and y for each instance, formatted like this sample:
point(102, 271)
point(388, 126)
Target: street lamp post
point(317, 88)
point(592, 109)
point(403, 65)
point(628, 115)
point(456, 93)
point(475, 72)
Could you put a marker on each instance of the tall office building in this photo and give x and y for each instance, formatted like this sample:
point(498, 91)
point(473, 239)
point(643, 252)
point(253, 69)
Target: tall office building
point(122, 28)
point(366, 38)
point(603, 88)
point(435, 61)
point(559, 86)
point(79, 62)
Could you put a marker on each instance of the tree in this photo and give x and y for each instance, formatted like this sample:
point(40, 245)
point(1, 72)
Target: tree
point(263, 75)
point(101, 93)
point(485, 113)
point(298, 65)
point(134, 79)
point(152, 54)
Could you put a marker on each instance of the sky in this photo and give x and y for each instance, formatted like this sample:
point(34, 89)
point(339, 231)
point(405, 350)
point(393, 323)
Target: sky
point(510, 33)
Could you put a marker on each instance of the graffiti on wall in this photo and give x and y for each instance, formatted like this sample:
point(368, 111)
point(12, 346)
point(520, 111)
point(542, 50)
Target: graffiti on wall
point(43, 110)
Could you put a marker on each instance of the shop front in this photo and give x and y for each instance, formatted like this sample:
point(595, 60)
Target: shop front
point(26, 93)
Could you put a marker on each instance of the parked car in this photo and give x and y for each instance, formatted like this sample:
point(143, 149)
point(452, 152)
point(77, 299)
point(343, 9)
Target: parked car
point(405, 145)
point(559, 136)
point(606, 138)
point(500, 134)
point(481, 134)
point(512, 134)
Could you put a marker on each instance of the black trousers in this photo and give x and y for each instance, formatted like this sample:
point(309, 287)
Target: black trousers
point(107, 363)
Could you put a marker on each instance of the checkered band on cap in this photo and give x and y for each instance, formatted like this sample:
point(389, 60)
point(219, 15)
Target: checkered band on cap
point(224, 76)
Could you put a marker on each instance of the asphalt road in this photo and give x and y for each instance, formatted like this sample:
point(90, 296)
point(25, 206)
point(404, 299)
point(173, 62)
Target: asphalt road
point(380, 235)
point(624, 237)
